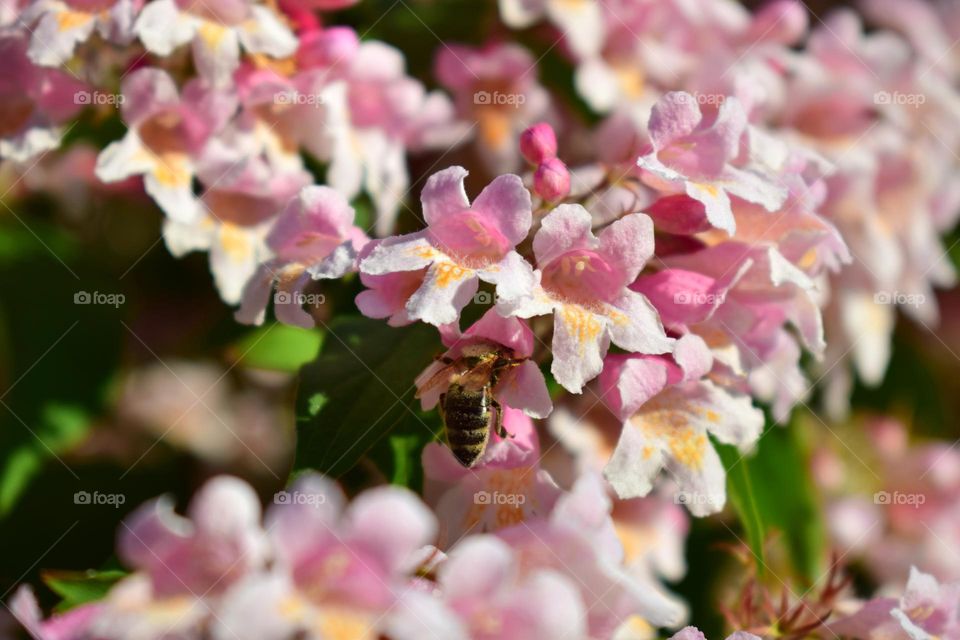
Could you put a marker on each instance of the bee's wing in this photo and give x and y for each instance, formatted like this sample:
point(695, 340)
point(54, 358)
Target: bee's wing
point(479, 375)
point(432, 382)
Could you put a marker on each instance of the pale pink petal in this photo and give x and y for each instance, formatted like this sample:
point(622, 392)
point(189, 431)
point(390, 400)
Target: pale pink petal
point(566, 227)
point(162, 28)
point(391, 524)
point(402, 253)
point(627, 244)
point(676, 114)
point(506, 202)
point(635, 325)
point(580, 341)
point(525, 388)
point(446, 289)
point(513, 277)
point(444, 194)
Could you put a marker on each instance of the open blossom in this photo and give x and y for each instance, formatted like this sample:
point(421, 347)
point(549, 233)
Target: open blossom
point(495, 87)
point(462, 244)
point(376, 113)
point(215, 29)
point(583, 281)
point(504, 488)
point(339, 568)
point(245, 194)
point(166, 136)
point(183, 565)
point(485, 584)
point(63, 24)
point(669, 412)
point(314, 238)
point(36, 102)
point(926, 610)
point(521, 386)
point(692, 153)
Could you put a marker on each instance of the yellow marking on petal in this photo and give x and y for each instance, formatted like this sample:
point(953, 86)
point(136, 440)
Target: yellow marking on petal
point(647, 452)
point(582, 324)
point(67, 20)
point(487, 621)
point(335, 565)
point(212, 33)
point(448, 272)
point(171, 170)
point(235, 242)
point(711, 190)
point(666, 418)
point(344, 624)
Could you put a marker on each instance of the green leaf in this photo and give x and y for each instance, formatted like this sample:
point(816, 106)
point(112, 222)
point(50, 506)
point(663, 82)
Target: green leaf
point(80, 587)
point(741, 493)
point(358, 391)
point(773, 491)
point(278, 347)
point(57, 353)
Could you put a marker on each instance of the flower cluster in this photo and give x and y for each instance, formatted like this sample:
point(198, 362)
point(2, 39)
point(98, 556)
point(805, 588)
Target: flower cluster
point(750, 201)
point(318, 567)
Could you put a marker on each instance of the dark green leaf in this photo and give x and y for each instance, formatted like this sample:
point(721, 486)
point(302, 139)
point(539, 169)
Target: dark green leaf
point(358, 391)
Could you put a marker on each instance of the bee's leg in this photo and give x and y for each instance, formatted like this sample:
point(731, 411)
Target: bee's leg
point(501, 431)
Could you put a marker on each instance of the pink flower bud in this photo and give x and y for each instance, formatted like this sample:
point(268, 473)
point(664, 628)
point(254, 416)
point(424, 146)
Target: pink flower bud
point(552, 180)
point(538, 143)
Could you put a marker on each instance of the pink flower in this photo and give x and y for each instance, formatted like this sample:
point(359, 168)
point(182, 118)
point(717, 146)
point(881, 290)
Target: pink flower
point(215, 29)
point(337, 567)
point(484, 583)
point(35, 102)
point(583, 280)
point(313, 239)
point(506, 487)
point(692, 153)
point(63, 24)
point(184, 565)
point(580, 22)
point(672, 430)
point(462, 244)
point(578, 541)
point(246, 193)
point(925, 611)
point(521, 387)
point(166, 135)
point(494, 87)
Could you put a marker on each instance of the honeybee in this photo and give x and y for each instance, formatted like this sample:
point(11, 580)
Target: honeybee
point(467, 407)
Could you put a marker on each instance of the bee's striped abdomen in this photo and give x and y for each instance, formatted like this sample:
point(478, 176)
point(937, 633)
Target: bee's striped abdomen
point(467, 416)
